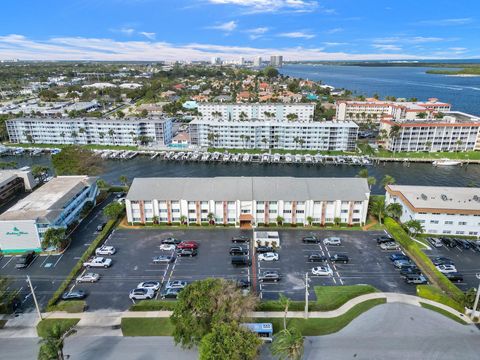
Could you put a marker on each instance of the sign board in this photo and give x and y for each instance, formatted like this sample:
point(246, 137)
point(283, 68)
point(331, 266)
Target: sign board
point(18, 235)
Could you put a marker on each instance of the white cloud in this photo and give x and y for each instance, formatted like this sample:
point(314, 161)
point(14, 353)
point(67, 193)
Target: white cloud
point(334, 43)
point(264, 6)
point(447, 22)
point(148, 35)
point(227, 27)
point(297, 35)
point(387, 47)
point(334, 30)
point(80, 48)
point(127, 31)
point(258, 32)
point(409, 40)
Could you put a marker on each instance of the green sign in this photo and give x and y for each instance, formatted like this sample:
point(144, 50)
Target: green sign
point(16, 232)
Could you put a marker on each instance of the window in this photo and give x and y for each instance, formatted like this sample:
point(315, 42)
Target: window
point(175, 210)
point(300, 211)
point(460, 232)
point(344, 211)
point(287, 211)
point(462, 223)
point(356, 211)
point(260, 211)
point(448, 222)
point(191, 211)
point(447, 232)
point(433, 221)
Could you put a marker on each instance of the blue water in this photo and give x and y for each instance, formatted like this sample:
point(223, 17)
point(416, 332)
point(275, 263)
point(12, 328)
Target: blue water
point(406, 82)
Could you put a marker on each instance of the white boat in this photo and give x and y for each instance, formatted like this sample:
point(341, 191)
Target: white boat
point(226, 157)
point(205, 156)
point(288, 158)
point(266, 158)
point(276, 157)
point(308, 159)
point(246, 158)
point(195, 156)
point(446, 162)
point(298, 158)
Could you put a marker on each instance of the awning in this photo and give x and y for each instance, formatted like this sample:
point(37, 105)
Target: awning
point(246, 217)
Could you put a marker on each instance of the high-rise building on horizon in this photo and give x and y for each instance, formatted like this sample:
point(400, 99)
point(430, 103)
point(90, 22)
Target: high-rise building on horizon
point(257, 62)
point(276, 60)
point(215, 60)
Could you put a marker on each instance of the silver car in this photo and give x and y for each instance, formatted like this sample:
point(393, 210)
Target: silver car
point(336, 241)
point(88, 277)
point(163, 259)
point(154, 285)
point(141, 294)
point(176, 284)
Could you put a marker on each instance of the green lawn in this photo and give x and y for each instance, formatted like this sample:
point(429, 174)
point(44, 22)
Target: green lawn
point(59, 146)
point(317, 327)
point(433, 293)
point(147, 327)
point(72, 306)
point(443, 312)
point(467, 155)
point(44, 325)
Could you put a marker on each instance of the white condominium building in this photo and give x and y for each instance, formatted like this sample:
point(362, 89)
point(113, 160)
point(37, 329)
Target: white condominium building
point(456, 131)
point(248, 201)
point(262, 134)
point(84, 131)
point(262, 111)
point(373, 109)
point(440, 209)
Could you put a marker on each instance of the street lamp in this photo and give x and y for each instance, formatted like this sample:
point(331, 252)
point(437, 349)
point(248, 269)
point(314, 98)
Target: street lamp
point(475, 304)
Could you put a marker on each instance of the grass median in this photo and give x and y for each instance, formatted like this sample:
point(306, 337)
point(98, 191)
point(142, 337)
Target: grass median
point(147, 327)
point(45, 325)
point(71, 306)
point(443, 312)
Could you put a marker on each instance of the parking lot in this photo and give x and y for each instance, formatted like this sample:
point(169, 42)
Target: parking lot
point(48, 272)
point(133, 264)
point(467, 263)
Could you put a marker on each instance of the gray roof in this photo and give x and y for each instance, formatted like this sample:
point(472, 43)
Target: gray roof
point(249, 188)
point(46, 204)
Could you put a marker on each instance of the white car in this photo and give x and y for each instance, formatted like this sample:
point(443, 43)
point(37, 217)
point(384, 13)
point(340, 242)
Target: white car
point(168, 247)
point(98, 262)
point(154, 285)
point(121, 200)
point(88, 277)
point(447, 268)
point(389, 246)
point(269, 256)
point(332, 241)
point(141, 294)
point(176, 284)
point(322, 271)
point(105, 250)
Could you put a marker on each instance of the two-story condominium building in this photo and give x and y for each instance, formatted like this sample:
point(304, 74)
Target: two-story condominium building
point(248, 201)
point(373, 110)
point(261, 111)
point(440, 209)
point(456, 131)
point(124, 132)
point(263, 134)
point(57, 204)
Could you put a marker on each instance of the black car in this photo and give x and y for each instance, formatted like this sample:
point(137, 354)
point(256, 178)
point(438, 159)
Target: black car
point(454, 277)
point(25, 259)
point(243, 283)
point(462, 244)
point(238, 250)
point(171, 241)
point(310, 240)
point(384, 239)
point(442, 261)
point(264, 249)
point(339, 258)
point(74, 295)
point(412, 270)
point(240, 239)
point(450, 243)
point(241, 261)
point(187, 252)
point(316, 257)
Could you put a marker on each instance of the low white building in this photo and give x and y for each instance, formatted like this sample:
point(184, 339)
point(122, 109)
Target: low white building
point(261, 111)
point(440, 209)
point(248, 201)
point(262, 134)
point(83, 131)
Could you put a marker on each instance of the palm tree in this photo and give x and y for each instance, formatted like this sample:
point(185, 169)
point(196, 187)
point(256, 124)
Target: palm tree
point(111, 132)
point(242, 115)
point(101, 135)
point(395, 210)
point(292, 117)
point(422, 115)
point(247, 139)
point(394, 134)
point(52, 345)
point(377, 207)
point(458, 143)
point(211, 218)
point(74, 136)
point(310, 220)
point(280, 220)
point(210, 138)
point(132, 134)
point(388, 180)
point(123, 179)
point(285, 302)
point(82, 131)
point(428, 145)
point(264, 140)
point(242, 137)
point(183, 219)
point(363, 173)
point(371, 181)
point(288, 344)
point(413, 227)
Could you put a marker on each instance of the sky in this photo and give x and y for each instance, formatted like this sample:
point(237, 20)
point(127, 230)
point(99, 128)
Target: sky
point(153, 30)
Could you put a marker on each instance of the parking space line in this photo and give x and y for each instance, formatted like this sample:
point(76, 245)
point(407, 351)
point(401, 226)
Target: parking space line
point(46, 258)
point(58, 260)
point(4, 266)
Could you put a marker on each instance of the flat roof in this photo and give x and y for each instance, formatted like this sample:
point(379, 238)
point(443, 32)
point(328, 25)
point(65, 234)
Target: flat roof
point(92, 119)
point(438, 198)
point(46, 203)
point(284, 123)
point(249, 188)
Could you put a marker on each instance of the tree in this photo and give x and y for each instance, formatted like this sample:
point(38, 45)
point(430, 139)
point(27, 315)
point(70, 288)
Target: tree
point(371, 181)
point(211, 218)
point(204, 304)
point(337, 221)
point(309, 220)
point(422, 115)
point(363, 173)
point(183, 219)
point(280, 220)
point(288, 344)
point(102, 184)
point(123, 180)
point(120, 114)
point(54, 237)
point(388, 180)
point(39, 171)
point(113, 210)
point(377, 207)
point(393, 134)
point(47, 95)
point(144, 113)
point(76, 160)
point(285, 302)
point(394, 210)
point(229, 341)
point(413, 227)
point(270, 72)
point(52, 345)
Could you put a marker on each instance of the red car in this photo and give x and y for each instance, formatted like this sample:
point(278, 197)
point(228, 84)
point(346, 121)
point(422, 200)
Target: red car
point(188, 245)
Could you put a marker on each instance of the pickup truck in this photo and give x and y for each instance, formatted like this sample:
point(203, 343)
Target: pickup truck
point(98, 262)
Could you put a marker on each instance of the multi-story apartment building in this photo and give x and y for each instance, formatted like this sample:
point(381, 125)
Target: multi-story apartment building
point(155, 131)
point(248, 201)
point(374, 110)
point(440, 209)
point(456, 131)
point(262, 111)
point(57, 204)
point(276, 60)
point(262, 134)
point(13, 182)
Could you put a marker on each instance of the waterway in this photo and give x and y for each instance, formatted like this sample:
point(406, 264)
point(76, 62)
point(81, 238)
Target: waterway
point(405, 82)
point(143, 166)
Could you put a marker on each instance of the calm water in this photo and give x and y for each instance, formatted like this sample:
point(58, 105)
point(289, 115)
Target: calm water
point(462, 92)
point(415, 174)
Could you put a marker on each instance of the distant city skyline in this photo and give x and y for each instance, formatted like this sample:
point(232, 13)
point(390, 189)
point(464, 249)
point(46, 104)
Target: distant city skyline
point(187, 30)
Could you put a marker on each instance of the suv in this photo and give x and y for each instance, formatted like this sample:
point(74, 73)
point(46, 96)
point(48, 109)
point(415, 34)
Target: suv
point(398, 256)
point(316, 257)
point(336, 241)
point(25, 259)
point(269, 275)
point(436, 242)
point(415, 279)
point(440, 260)
point(310, 239)
point(238, 250)
point(454, 277)
point(402, 264)
point(450, 243)
point(384, 239)
point(240, 239)
point(241, 260)
point(339, 258)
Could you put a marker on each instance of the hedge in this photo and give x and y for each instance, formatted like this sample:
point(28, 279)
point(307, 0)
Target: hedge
point(153, 305)
point(423, 261)
point(78, 266)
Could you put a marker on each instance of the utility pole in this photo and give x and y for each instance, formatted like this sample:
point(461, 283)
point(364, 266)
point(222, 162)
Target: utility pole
point(306, 294)
point(34, 297)
point(475, 304)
